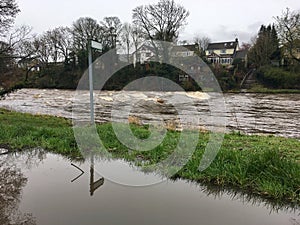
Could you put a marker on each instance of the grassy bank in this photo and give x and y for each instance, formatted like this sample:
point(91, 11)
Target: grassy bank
point(265, 166)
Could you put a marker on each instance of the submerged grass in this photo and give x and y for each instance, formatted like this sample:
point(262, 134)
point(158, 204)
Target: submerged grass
point(262, 165)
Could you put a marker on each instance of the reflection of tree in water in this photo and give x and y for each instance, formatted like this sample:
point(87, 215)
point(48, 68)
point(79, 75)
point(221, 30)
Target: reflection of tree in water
point(27, 159)
point(11, 183)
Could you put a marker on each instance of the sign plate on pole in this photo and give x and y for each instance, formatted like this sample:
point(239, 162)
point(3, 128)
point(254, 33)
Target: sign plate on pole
point(96, 45)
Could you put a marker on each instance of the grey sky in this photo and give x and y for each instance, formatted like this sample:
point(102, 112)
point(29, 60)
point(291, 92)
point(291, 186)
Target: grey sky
point(218, 19)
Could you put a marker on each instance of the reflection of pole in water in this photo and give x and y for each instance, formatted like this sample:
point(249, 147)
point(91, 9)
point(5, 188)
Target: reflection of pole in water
point(94, 185)
point(92, 175)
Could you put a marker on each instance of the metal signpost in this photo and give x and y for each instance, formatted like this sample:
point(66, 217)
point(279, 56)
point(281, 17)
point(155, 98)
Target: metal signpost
point(95, 45)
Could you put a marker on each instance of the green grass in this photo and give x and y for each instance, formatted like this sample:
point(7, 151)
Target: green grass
point(261, 165)
point(25, 131)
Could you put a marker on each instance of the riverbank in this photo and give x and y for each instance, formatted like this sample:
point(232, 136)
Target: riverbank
point(260, 89)
point(265, 90)
point(262, 165)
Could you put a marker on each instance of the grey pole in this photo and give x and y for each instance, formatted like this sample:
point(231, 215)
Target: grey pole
point(91, 83)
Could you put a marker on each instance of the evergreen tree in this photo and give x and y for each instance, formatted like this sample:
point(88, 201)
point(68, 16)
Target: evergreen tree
point(266, 47)
point(276, 55)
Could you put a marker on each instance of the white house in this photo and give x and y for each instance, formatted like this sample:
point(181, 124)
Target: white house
point(222, 52)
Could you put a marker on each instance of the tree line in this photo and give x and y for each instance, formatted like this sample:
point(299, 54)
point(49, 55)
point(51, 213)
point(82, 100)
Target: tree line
point(61, 53)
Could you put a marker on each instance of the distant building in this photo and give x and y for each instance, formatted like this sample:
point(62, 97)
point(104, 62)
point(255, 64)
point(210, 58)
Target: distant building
point(144, 54)
point(183, 78)
point(222, 52)
point(147, 52)
point(185, 50)
point(30, 64)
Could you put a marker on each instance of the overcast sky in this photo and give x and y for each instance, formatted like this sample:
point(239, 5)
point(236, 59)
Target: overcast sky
point(220, 20)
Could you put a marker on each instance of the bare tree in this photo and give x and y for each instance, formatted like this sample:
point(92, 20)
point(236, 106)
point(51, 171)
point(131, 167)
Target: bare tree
point(112, 22)
point(21, 40)
point(42, 45)
point(11, 47)
point(288, 27)
point(84, 29)
point(245, 46)
point(112, 27)
point(137, 37)
point(202, 42)
point(126, 38)
point(39, 47)
point(161, 21)
point(131, 38)
point(61, 42)
point(8, 11)
point(15, 39)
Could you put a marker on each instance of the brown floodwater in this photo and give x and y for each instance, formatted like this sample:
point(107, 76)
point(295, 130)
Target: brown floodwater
point(48, 190)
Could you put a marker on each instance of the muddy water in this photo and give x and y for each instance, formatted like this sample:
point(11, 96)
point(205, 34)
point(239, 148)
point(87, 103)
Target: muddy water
point(48, 191)
point(249, 113)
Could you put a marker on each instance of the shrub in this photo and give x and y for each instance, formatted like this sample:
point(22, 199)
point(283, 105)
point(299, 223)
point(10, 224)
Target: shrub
point(275, 77)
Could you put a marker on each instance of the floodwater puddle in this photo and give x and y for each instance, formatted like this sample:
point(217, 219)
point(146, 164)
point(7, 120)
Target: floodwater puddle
point(38, 187)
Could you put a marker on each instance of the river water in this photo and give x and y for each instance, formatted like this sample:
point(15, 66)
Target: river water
point(274, 114)
point(43, 188)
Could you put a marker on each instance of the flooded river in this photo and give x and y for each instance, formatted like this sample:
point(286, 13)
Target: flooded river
point(44, 188)
point(248, 113)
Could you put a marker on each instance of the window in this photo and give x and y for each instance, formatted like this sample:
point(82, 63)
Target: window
point(183, 77)
point(223, 51)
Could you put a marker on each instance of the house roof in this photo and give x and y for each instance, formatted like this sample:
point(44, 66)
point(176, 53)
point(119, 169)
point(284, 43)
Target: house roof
point(145, 47)
point(223, 45)
point(176, 48)
point(181, 48)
